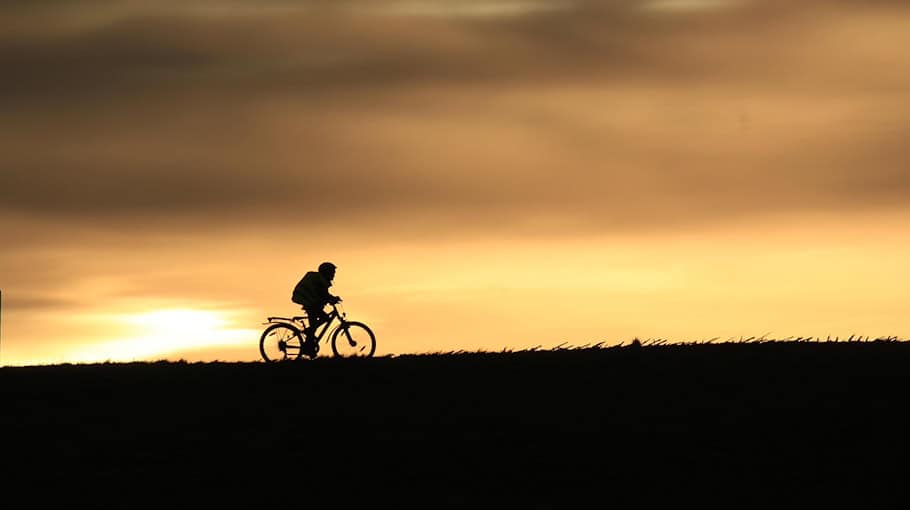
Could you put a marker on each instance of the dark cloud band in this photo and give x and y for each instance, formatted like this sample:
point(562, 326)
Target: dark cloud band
point(257, 114)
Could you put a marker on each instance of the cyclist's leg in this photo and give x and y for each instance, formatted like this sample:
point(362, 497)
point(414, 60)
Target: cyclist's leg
point(315, 317)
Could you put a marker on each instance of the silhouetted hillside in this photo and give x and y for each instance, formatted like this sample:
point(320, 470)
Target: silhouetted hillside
point(764, 425)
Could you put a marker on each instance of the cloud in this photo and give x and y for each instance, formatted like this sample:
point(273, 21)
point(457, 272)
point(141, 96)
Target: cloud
point(675, 6)
point(465, 8)
point(590, 114)
point(36, 303)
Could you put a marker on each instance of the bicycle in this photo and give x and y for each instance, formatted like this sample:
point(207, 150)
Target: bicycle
point(284, 337)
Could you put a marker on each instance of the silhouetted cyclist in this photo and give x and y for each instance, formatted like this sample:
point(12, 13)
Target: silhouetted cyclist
point(312, 292)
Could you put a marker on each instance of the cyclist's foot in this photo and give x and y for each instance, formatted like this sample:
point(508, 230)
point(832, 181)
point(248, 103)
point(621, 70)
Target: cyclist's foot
point(309, 348)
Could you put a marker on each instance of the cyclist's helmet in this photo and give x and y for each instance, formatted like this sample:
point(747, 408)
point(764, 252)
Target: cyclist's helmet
point(327, 268)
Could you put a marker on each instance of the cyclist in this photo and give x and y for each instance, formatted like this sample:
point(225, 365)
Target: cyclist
point(312, 293)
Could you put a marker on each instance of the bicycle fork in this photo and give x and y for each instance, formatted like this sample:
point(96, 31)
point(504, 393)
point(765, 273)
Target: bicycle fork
point(347, 334)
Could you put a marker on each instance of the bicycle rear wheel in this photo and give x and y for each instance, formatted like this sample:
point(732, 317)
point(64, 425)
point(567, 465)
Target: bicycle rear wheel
point(353, 340)
point(280, 342)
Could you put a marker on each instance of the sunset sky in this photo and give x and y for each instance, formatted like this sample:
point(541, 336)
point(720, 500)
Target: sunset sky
point(486, 174)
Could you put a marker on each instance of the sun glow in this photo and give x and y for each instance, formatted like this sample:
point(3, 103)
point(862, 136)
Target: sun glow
point(157, 333)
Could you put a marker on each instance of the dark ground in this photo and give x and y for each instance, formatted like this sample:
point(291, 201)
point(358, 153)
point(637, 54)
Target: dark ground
point(770, 425)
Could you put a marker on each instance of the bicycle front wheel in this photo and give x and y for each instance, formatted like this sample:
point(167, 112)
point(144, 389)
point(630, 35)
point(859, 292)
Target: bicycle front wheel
point(280, 342)
point(353, 340)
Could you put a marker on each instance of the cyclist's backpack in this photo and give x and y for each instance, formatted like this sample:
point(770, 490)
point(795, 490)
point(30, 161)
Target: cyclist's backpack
point(297, 296)
point(303, 292)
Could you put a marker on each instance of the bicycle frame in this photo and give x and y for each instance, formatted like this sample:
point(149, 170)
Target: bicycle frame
point(302, 321)
point(334, 314)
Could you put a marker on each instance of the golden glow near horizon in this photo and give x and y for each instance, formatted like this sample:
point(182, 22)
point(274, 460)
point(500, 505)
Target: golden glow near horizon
point(149, 335)
point(781, 280)
point(487, 174)
point(161, 332)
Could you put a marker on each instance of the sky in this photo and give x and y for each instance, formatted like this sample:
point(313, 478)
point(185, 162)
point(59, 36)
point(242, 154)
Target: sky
point(486, 174)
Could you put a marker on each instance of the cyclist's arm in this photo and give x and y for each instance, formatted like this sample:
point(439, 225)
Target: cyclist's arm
point(328, 297)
